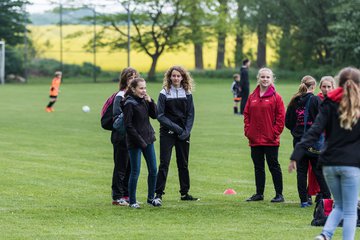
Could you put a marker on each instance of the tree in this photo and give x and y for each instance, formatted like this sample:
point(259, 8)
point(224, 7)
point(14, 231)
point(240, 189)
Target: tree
point(221, 29)
point(239, 40)
point(196, 17)
point(157, 27)
point(346, 40)
point(13, 20)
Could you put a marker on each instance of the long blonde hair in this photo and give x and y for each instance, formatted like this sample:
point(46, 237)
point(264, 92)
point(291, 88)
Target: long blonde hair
point(187, 82)
point(349, 108)
point(306, 82)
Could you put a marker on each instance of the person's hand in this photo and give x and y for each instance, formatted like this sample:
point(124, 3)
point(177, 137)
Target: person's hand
point(184, 135)
point(292, 166)
point(147, 98)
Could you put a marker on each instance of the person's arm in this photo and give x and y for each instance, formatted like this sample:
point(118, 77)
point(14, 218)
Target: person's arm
point(290, 118)
point(279, 116)
point(163, 119)
point(247, 116)
point(189, 118)
point(309, 138)
point(116, 106)
point(314, 106)
point(130, 128)
point(152, 109)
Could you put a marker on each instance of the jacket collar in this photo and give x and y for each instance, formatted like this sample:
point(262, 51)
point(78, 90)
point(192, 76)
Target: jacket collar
point(269, 92)
point(336, 95)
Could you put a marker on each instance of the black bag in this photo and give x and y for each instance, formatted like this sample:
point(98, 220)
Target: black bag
point(321, 211)
point(315, 149)
point(107, 113)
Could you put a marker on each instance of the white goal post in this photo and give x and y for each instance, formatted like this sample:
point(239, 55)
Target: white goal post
point(2, 62)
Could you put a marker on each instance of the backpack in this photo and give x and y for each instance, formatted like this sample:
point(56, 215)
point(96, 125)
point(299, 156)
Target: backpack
point(107, 113)
point(322, 210)
point(119, 124)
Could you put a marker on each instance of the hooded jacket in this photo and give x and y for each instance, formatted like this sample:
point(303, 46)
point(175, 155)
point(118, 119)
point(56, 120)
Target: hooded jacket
point(264, 118)
point(139, 132)
point(294, 120)
point(341, 146)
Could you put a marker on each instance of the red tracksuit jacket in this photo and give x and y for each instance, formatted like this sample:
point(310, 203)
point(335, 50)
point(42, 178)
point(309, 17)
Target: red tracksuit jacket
point(264, 118)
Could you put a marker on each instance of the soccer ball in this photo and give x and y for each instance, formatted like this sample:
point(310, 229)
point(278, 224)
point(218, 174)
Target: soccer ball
point(86, 109)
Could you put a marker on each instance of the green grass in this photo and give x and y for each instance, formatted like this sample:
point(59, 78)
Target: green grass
point(56, 173)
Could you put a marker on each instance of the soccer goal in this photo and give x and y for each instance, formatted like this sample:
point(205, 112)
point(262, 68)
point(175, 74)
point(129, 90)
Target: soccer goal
point(2, 62)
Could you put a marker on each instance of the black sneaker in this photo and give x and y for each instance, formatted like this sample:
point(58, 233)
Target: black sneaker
point(278, 198)
point(188, 197)
point(255, 197)
point(156, 202)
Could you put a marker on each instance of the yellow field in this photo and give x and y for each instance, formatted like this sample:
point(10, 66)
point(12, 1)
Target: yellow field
point(47, 41)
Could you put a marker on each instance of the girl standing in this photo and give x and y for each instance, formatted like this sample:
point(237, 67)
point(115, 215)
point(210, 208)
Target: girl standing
point(303, 102)
point(176, 117)
point(339, 118)
point(121, 173)
point(327, 84)
point(140, 137)
point(264, 117)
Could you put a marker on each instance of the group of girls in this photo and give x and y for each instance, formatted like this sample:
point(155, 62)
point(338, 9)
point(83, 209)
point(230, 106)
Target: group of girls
point(175, 112)
point(334, 113)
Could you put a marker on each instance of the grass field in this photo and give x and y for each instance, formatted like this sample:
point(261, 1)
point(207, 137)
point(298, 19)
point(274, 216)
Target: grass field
point(56, 173)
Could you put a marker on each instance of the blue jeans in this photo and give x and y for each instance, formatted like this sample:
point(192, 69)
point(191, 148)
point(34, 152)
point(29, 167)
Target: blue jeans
point(135, 163)
point(344, 183)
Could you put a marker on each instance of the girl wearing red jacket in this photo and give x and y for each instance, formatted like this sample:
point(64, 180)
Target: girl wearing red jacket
point(264, 118)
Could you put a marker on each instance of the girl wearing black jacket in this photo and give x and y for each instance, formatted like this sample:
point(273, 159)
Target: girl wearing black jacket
point(294, 121)
point(121, 173)
point(176, 117)
point(340, 160)
point(140, 137)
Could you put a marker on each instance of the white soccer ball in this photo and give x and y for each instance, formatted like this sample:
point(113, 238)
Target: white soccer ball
point(86, 109)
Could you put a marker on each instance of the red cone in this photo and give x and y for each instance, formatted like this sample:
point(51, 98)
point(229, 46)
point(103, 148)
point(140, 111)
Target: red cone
point(229, 191)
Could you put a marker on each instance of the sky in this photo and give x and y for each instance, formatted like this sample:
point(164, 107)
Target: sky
point(39, 6)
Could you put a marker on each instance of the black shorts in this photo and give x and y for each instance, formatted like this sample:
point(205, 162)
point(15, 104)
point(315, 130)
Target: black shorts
point(53, 97)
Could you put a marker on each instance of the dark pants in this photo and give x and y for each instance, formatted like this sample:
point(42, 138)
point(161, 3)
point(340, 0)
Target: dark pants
point(135, 162)
point(258, 155)
point(244, 98)
point(121, 173)
point(302, 170)
point(167, 142)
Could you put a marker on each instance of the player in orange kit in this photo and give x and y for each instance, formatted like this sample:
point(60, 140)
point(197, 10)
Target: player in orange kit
point(54, 91)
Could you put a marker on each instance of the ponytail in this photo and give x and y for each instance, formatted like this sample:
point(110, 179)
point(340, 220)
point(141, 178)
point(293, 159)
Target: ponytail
point(349, 107)
point(306, 82)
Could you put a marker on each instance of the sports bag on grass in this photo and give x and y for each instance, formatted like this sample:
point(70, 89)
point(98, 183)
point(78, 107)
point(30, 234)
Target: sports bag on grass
point(322, 210)
point(107, 113)
point(315, 149)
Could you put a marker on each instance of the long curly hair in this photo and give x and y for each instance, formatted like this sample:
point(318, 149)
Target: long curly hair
point(126, 74)
point(349, 108)
point(187, 82)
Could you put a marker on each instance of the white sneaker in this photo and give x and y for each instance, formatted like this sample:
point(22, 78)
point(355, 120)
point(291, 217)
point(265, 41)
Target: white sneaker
point(321, 237)
point(134, 205)
point(120, 202)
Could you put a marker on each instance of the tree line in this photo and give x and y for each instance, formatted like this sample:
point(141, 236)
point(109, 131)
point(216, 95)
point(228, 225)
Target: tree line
point(308, 34)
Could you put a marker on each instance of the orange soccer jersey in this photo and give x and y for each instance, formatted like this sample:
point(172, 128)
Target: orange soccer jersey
point(55, 85)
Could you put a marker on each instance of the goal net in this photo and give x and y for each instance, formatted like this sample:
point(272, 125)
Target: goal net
point(2, 62)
